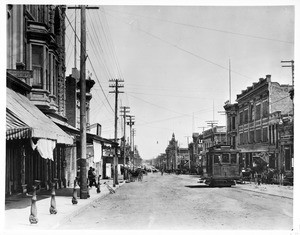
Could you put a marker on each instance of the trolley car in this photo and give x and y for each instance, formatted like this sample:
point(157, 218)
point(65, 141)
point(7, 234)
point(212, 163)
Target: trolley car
point(221, 166)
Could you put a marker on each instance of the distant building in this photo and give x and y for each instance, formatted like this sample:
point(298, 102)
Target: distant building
point(172, 154)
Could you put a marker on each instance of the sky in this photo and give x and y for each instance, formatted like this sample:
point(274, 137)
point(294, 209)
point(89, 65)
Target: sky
point(174, 61)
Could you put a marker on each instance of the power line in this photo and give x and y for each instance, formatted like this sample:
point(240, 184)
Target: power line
point(91, 65)
point(206, 28)
point(184, 50)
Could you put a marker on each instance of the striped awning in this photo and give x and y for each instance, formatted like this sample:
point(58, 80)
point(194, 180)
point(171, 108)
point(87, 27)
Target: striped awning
point(15, 127)
point(24, 119)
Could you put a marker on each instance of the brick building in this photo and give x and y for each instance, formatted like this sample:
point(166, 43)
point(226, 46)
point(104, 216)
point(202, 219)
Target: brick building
point(260, 111)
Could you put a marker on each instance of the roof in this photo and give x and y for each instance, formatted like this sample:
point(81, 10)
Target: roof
point(22, 113)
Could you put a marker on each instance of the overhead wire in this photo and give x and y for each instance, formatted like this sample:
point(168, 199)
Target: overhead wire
point(91, 65)
point(182, 49)
point(202, 27)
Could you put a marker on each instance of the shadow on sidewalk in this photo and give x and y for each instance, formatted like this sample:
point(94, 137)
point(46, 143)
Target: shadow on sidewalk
point(21, 201)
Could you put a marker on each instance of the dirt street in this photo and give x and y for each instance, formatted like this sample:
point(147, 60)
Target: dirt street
point(171, 202)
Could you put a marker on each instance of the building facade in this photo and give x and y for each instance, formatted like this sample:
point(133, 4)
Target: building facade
point(172, 155)
point(260, 134)
point(35, 145)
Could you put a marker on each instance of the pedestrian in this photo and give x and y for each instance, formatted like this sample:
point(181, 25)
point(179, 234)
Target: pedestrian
point(92, 176)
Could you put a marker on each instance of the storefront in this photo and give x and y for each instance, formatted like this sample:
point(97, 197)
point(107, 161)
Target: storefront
point(35, 146)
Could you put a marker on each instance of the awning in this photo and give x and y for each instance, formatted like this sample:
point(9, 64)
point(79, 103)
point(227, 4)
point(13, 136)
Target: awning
point(16, 128)
point(23, 114)
point(97, 151)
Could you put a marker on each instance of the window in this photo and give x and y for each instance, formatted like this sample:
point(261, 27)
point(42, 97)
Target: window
point(265, 107)
point(265, 134)
point(251, 137)
point(225, 158)
point(55, 77)
point(246, 116)
point(258, 135)
point(233, 159)
point(245, 139)
point(241, 118)
point(217, 159)
point(241, 138)
point(258, 112)
point(233, 141)
point(233, 123)
point(251, 113)
point(228, 123)
point(37, 66)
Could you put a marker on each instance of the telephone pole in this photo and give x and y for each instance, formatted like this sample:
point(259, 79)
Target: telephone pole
point(83, 183)
point(291, 66)
point(133, 157)
point(224, 113)
point(83, 56)
point(130, 123)
point(116, 91)
point(212, 124)
point(188, 140)
point(124, 110)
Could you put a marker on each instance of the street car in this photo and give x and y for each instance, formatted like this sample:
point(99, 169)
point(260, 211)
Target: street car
point(221, 166)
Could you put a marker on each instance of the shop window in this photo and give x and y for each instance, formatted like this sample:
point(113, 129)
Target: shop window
point(287, 158)
point(37, 66)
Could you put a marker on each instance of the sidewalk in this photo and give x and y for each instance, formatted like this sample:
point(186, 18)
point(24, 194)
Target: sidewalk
point(17, 208)
point(270, 189)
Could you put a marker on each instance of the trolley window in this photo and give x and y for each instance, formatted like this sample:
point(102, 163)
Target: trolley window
point(225, 158)
point(217, 159)
point(233, 158)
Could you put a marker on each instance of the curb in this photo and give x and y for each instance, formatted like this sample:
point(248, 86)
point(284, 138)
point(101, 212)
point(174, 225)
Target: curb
point(82, 208)
point(270, 194)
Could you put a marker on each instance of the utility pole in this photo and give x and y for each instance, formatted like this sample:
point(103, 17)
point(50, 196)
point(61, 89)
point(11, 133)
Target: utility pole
point(124, 110)
point(203, 127)
point(229, 82)
point(116, 91)
point(224, 113)
point(188, 141)
point(212, 124)
point(290, 66)
point(83, 56)
point(83, 183)
point(130, 123)
point(133, 134)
